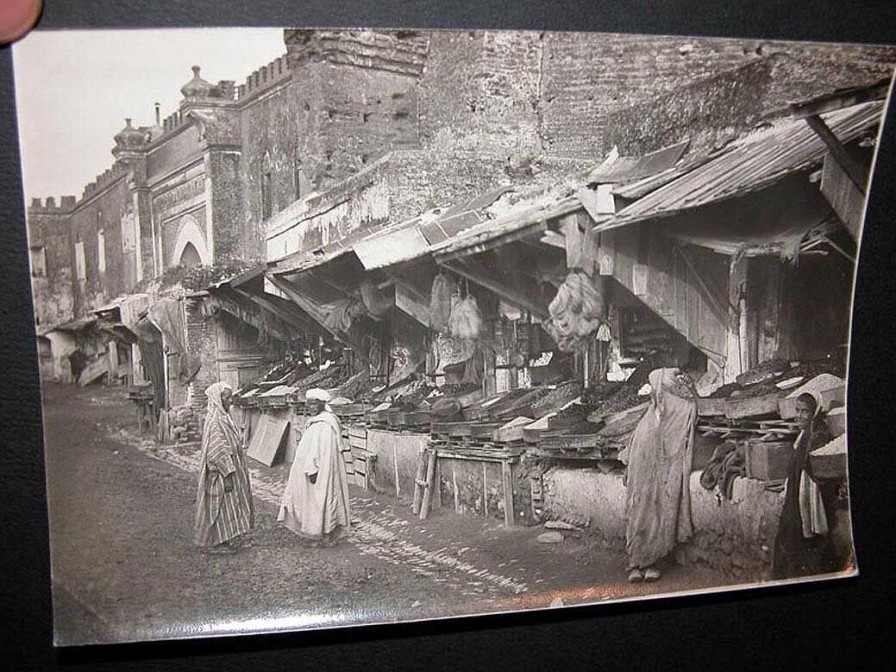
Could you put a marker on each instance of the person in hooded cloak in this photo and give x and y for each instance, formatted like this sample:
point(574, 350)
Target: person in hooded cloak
point(224, 508)
point(315, 504)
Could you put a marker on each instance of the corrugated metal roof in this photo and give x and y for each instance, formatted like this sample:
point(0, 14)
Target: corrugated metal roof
point(619, 169)
point(391, 248)
point(480, 237)
point(750, 164)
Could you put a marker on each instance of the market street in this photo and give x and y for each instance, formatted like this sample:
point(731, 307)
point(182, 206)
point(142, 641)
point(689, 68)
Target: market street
point(125, 567)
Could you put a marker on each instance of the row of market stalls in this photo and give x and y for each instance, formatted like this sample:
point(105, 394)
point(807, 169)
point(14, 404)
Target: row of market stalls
point(492, 357)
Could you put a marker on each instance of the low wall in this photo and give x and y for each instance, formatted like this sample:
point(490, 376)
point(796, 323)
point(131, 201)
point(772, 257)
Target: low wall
point(397, 456)
point(733, 536)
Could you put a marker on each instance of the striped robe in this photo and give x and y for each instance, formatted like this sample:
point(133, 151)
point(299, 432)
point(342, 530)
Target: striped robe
point(220, 515)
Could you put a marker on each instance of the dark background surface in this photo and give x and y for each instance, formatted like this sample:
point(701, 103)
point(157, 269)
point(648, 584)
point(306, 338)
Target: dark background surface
point(838, 623)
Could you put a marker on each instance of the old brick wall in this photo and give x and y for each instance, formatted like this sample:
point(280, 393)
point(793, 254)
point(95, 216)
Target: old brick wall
point(269, 142)
point(231, 240)
point(480, 92)
point(202, 340)
point(48, 228)
point(715, 110)
point(586, 77)
point(336, 116)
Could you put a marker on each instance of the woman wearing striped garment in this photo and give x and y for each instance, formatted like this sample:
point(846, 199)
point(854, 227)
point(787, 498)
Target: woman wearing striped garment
point(224, 509)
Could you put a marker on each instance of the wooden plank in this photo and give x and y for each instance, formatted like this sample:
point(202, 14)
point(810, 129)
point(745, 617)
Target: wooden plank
point(412, 302)
point(507, 482)
point(840, 100)
point(845, 198)
point(266, 441)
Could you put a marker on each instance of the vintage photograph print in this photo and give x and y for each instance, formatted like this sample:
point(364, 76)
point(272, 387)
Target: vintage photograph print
point(366, 326)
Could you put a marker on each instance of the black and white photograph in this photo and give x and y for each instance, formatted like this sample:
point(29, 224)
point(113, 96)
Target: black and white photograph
point(343, 327)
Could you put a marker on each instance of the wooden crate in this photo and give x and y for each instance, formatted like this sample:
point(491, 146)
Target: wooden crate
point(569, 442)
point(362, 460)
point(766, 404)
point(455, 429)
point(484, 430)
point(768, 460)
point(711, 407)
point(831, 466)
point(557, 398)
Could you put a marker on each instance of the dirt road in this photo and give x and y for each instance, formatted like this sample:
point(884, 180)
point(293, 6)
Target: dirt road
point(125, 567)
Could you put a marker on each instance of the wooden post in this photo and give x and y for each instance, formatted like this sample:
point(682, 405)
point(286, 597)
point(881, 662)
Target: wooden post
point(395, 471)
point(419, 482)
point(426, 504)
point(485, 488)
point(507, 481)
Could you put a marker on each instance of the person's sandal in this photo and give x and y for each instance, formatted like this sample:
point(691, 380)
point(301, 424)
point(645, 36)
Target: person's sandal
point(652, 574)
point(635, 576)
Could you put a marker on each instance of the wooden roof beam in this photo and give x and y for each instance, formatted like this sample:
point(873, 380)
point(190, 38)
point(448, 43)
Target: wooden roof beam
point(838, 151)
point(478, 275)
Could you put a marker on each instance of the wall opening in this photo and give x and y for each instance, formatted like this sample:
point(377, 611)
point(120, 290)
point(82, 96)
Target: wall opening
point(190, 256)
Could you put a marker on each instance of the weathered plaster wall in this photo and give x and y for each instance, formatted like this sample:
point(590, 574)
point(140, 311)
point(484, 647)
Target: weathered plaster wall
point(102, 211)
point(48, 228)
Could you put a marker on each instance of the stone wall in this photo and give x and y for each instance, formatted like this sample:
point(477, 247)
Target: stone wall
point(480, 92)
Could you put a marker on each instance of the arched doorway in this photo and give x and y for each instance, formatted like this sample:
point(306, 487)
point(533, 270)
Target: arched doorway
point(190, 256)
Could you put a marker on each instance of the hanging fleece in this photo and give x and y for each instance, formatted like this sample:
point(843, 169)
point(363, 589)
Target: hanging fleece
point(376, 301)
point(466, 319)
point(443, 288)
point(576, 311)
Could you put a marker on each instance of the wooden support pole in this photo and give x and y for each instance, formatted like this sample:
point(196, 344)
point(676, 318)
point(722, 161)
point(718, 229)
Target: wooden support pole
point(838, 151)
point(419, 482)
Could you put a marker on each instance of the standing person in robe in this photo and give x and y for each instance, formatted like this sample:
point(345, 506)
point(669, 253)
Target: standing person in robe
point(224, 509)
point(659, 460)
point(803, 544)
point(315, 504)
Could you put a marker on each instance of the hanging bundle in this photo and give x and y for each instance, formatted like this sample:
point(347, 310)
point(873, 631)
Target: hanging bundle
point(340, 314)
point(466, 319)
point(576, 312)
point(443, 288)
point(376, 301)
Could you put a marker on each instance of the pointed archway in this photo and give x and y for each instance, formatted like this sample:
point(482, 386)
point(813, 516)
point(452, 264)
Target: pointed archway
point(191, 234)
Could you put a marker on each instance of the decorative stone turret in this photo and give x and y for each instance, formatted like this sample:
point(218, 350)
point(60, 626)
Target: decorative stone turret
point(197, 87)
point(129, 140)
